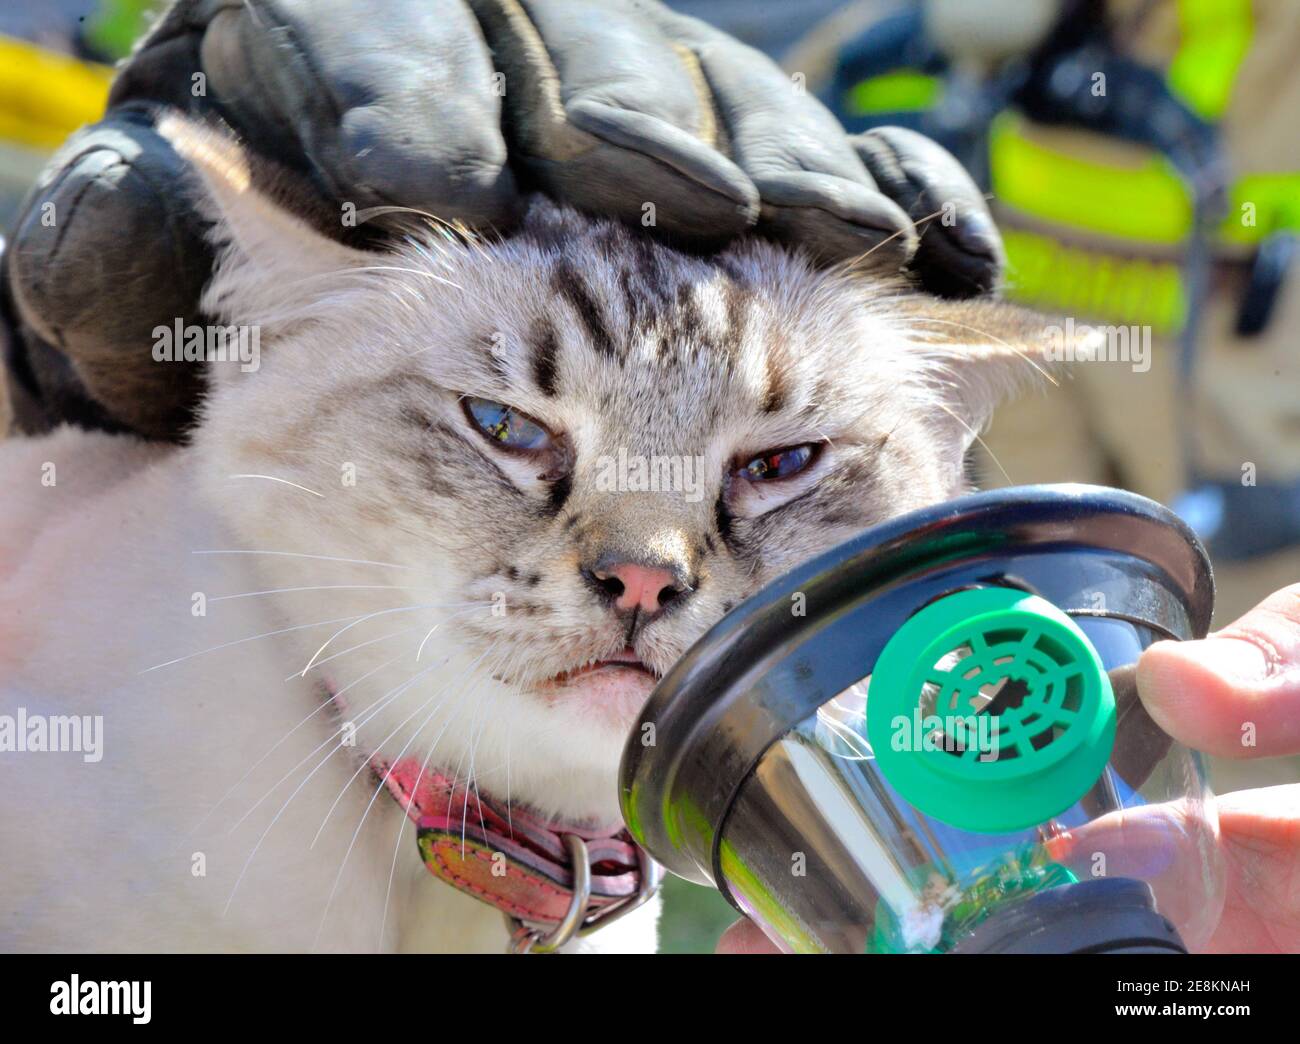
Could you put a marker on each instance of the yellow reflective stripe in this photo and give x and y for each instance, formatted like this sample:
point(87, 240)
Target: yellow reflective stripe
point(1216, 35)
point(903, 91)
point(1045, 273)
point(1149, 202)
point(45, 96)
point(1260, 205)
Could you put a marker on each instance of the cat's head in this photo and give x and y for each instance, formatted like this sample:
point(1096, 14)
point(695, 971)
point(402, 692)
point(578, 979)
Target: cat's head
point(535, 470)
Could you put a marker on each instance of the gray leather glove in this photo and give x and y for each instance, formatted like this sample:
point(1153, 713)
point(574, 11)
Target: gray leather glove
point(459, 108)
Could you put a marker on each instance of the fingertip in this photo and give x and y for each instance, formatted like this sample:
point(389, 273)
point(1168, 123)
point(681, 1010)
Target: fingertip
point(1200, 691)
point(744, 937)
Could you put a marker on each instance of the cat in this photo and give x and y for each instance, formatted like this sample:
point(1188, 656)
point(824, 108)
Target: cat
point(420, 520)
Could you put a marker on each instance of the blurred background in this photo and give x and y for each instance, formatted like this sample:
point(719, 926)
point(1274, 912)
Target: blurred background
point(1142, 160)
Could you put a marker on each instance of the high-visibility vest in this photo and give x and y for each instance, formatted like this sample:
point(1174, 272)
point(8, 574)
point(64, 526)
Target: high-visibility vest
point(1096, 228)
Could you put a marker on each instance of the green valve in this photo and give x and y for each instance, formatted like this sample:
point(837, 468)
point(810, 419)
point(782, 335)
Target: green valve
point(991, 711)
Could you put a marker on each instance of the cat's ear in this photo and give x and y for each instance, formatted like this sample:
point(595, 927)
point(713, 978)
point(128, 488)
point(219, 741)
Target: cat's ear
point(981, 352)
point(272, 261)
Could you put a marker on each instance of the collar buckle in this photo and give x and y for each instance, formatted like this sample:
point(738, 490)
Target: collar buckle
point(581, 919)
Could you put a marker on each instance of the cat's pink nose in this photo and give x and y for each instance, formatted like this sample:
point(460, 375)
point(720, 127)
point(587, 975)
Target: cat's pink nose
point(643, 587)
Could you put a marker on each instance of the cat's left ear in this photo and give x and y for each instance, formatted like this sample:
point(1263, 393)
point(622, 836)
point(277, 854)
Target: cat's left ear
point(273, 263)
point(980, 352)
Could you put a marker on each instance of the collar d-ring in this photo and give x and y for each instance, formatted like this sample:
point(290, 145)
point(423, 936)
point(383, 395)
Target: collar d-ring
point(577, 921)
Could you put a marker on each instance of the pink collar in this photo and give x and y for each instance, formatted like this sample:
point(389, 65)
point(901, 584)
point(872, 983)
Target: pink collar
point(553, 880)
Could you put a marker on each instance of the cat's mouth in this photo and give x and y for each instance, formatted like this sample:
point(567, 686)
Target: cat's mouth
point(613, 687)
point(627, 660)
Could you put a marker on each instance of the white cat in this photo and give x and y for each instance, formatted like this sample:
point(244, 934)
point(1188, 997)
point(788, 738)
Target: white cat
point(422, 528)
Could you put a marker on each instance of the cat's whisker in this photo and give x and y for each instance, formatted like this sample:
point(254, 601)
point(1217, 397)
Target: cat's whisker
point(280, 742)
point(273, 478)
point(361, 768)
point(401, 831)
point(475, 738)
point(525, 653)
point(502, 674)
point(461, 758)
point(370, 616)
point(298, 554)
point(319, 587)
point(856, 261)
point(420, 651)
point(354, 648)
point(510, 737)
point(297, 790)
point(275, 819)
point(364, 716)
point(267, 634)
point(976, 436)
point(475, 735)
point(401, 826)
point(383, 783)
point(412, 570)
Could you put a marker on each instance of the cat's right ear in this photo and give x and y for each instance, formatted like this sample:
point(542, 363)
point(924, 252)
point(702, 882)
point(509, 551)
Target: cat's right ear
point(980, 352)
point(273, 263)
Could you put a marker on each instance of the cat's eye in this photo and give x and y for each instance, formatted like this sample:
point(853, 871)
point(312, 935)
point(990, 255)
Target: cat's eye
point(507, 426)
point(774, 464)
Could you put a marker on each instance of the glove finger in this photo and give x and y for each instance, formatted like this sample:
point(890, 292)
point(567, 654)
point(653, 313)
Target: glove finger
point(815, 190)
point(104, 250)
point(960, 252)
point(608, 114)
point(390, 102)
